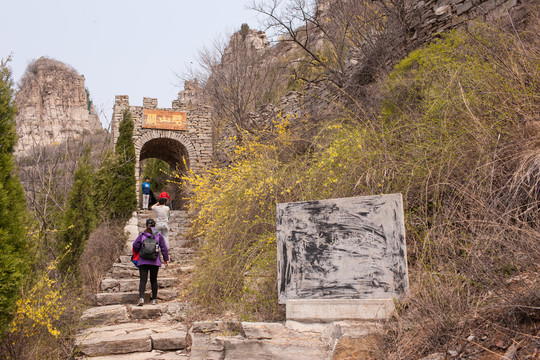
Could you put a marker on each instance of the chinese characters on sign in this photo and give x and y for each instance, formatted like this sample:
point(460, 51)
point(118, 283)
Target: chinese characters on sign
point(348, 248)
point(163, 119)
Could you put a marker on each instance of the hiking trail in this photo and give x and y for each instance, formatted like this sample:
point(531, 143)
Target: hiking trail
point(121, 329)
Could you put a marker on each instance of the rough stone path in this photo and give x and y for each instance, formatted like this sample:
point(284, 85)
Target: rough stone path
point(122, 330)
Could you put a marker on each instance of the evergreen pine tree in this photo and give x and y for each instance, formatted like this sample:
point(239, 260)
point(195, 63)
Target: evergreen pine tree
point(14, 247)
point(124, 188)
point(79, 218)
point(104, 179)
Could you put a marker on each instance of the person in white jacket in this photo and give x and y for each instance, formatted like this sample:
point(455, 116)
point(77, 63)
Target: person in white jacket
point(163, 213)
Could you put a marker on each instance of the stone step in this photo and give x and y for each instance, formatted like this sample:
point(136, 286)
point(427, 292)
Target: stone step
point(177, 245)
point(187, 269)
point(183, 244)
point(117, 314)
point(101, 315)
point(126, 271)
point(148, 213)
point(182, 228)
point(178, 253)
point(186, 251)
point(173, 243)
point(174, 229)
point(179, 263)
point(128, 285)
point(174, 223)
point(152, 355)
point(113, 298)
point(131, 338)
point(173, 310)
point(130, 266)
point(175, 218)
point(265, 341)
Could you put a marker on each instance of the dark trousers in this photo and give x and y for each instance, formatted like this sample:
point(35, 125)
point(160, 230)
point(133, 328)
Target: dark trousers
point(143, 274)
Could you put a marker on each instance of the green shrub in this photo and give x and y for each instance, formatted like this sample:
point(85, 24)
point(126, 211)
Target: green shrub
point(235, 207)
point(124, 201)
point(450, 136)
point(14, 248)
point(79, 218)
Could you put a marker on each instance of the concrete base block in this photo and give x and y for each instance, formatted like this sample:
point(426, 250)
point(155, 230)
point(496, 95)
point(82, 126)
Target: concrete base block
point(328, 310)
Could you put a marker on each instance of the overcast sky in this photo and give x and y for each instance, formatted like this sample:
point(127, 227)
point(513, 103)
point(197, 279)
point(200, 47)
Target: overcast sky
point(122, 47)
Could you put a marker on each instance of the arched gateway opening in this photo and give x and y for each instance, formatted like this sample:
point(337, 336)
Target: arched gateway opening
point(175, 154)
point(171, 151)
point(180, 136)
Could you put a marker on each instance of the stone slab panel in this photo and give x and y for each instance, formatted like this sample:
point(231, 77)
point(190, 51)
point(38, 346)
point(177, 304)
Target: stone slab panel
point(308, 348)
point(131, 297)
point(172, 340)
point(222, 327)
point(260, 330)
point(129, 285)
point(176, 308)
point(145, 312)
point(328, 310)
point(334, 330)
point(119, 344)
point(113, 330)
point(153, 355)
point(105, 315)
point(116, 298)
point(348, 248)
point(204, 347)
point(126, 271)
point(317, 327)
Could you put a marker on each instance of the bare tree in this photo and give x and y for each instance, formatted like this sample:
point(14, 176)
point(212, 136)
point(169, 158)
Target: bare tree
point(238, 76)
point(339, 37)
point(46, 174)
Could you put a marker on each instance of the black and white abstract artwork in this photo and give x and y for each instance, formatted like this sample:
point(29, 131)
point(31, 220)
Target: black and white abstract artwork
point(348, 248)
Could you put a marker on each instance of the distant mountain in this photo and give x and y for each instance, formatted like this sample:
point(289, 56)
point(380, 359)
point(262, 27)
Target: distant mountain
point(53, 106)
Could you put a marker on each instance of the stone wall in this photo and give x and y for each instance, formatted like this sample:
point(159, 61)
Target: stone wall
point(196, 140)
point(416, 24)
point(429, 18)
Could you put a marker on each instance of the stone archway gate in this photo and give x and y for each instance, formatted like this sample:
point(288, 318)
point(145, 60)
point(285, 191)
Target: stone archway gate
point(179, 134)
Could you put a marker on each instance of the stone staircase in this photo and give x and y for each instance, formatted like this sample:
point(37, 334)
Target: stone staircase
point(120, 329)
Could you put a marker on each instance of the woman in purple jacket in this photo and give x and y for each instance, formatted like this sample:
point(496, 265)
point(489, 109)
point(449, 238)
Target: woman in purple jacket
point(146, 265)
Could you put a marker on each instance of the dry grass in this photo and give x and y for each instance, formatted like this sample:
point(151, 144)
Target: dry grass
point(102, 249)
point(474, 230)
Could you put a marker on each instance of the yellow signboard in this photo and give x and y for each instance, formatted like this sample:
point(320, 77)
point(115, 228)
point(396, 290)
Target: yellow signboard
point(163, 119)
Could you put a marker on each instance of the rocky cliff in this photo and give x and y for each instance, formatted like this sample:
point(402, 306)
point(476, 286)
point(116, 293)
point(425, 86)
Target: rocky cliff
point(53, 106)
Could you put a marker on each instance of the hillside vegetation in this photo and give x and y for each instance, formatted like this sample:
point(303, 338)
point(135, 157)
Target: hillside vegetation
point(455, 130)
point(72, 233)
